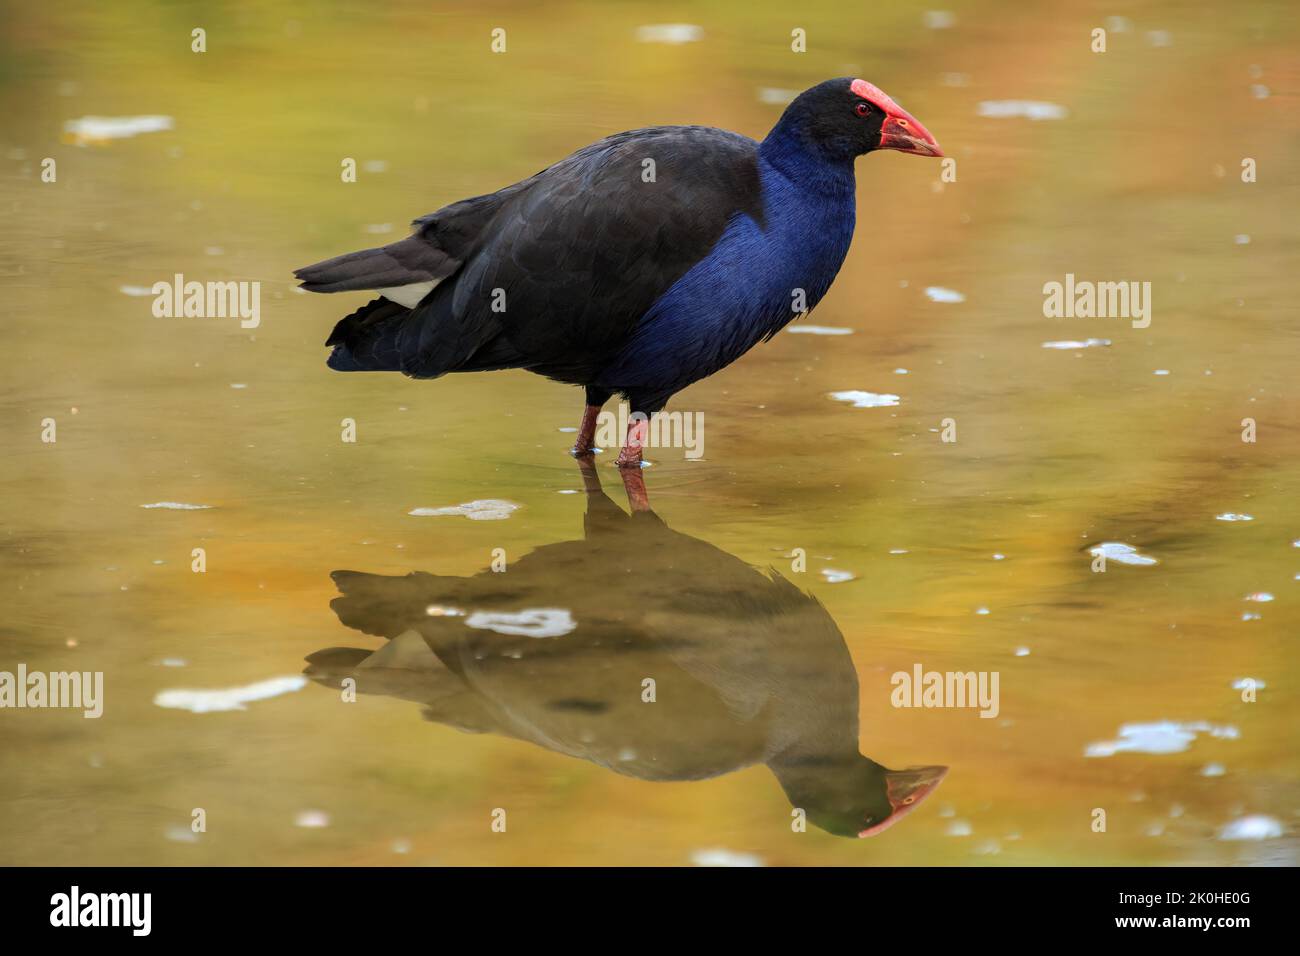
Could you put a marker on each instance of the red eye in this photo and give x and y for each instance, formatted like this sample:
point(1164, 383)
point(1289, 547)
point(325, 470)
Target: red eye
point(862, 109)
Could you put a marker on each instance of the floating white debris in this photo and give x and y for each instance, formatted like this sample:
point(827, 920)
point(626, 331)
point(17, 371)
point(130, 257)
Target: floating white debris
point(228, 698)
point(1244, 683)
point(936, 293)
point(900, 371)
point(1242, 239)
point(1032, 109)
point(999, 557)
point(1255, 827)
point(173, 662)
point(818, 330)
point(834, 576)
point(1071, 344)
point(483, 509)
point(717, 856)
point(1121, 553)
point(939, 19)
point(177, 506)
point(669, 33)
point(866, 399)
point(1234, 516)
point(1158, 737)
point(135, 290)
point(441, 610)
point(1161, 371)
point(1213, 770)
point(180, 834)
point(775, 97)
point(530, 622)
point(99, 129)
point(1022, 652)
point(238, 385)
point(311, 819)
point(1259, 91)
point(959, 828)
point(1263, 597)
point(1250, 616)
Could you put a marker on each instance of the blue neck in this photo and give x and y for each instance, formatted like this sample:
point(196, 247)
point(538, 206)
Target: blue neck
point(788, 151)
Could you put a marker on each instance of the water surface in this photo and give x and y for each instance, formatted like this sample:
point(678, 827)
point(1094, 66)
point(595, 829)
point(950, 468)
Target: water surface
point(970, 555)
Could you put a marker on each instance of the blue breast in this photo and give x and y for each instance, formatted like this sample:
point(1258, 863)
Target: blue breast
point(752, 283)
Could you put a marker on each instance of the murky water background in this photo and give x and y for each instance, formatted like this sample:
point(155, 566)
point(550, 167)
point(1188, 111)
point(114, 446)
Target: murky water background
point(964, 556)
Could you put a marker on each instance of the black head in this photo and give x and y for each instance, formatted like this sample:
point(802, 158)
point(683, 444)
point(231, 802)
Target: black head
point(851, 795)
point(846, 117)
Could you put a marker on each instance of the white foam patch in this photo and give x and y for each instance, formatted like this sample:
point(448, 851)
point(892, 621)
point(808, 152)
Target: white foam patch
point(718, 856)
point(227, 698)
point(1233, 516)
point(669, 33)
point(94, 129)
point(480, 509)
point(1030, 109)
point(1159, 737)
point(866, 399)
point(135, 290)
point(311, 819)
point(177, 506)
point(937, 293)
point(1077, 344)
point(530, 622)
point(818, 330)
point(1254, 827)
point(1121, 553)
point(834, 576)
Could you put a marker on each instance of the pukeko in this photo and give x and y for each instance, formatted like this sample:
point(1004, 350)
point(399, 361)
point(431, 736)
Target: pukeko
point(638, 265)
point(747, 668)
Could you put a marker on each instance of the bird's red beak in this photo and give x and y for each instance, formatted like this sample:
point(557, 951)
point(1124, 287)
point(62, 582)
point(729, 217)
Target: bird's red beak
point(903, 131)
point(905, 790)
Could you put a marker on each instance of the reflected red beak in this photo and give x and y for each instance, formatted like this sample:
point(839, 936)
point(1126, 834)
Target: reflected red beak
point(905, 790)
point(903, 131)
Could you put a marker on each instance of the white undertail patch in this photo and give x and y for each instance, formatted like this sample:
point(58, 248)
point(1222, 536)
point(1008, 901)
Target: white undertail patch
point(408, 295)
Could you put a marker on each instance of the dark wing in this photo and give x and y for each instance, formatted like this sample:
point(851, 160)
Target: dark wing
point(552, 273)
point(586, 249)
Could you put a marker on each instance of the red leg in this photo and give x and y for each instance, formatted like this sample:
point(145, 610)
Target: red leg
point(586, 431)
point(634, 485)
point(638, 429)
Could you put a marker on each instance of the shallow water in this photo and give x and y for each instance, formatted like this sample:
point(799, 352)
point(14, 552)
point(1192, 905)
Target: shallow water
point(973, 555)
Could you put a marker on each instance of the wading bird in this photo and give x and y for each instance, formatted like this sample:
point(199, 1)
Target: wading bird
point(638, 265)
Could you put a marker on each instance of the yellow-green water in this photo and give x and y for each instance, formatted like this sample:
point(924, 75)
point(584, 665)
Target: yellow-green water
point(1056, 451)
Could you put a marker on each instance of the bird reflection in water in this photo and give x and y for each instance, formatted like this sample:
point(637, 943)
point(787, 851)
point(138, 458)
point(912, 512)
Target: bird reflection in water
point(638, 648)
